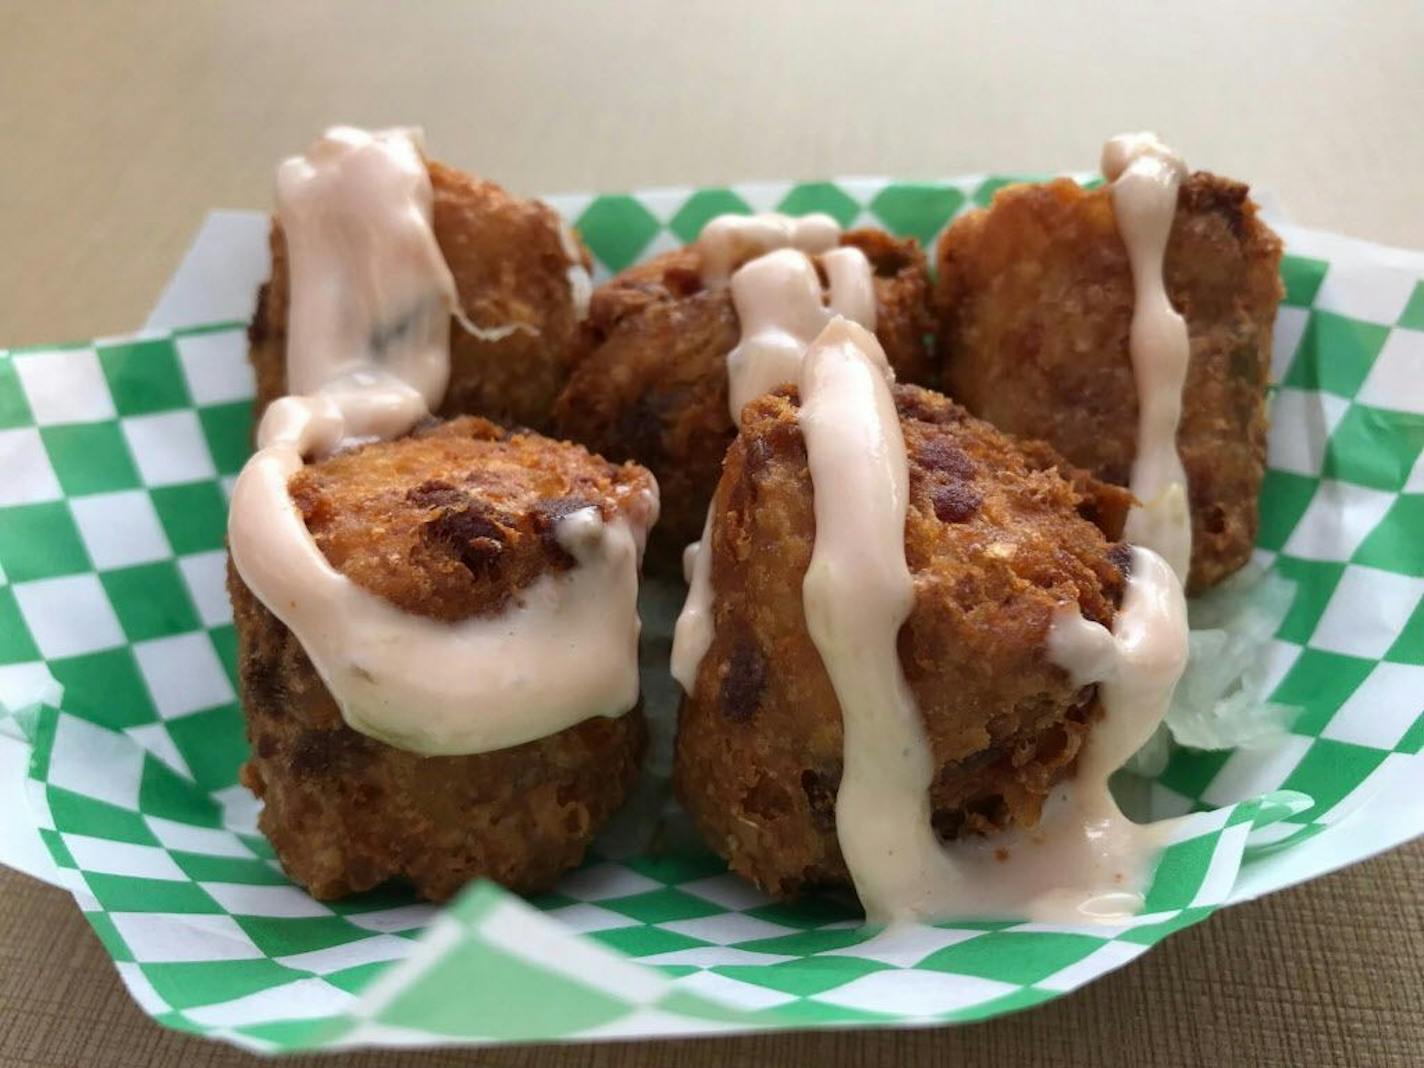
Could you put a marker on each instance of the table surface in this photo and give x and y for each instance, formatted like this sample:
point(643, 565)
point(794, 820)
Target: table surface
point(122, 124)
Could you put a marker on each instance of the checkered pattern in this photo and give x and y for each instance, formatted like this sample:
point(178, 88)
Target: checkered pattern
point(211, 937)
point(622, 229)
point(112, 517)
point(725, 958)
point(1342, 513)
point(116, 458)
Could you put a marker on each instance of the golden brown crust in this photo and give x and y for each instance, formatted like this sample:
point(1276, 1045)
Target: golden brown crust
point(464, 510)
point(1035, 300)
point(651, 385)
point(447, 523)
point(510, 267)
point(995, 540)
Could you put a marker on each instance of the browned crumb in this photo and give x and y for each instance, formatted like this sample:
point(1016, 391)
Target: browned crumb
point(996, 538)
point(1035, 299)
point(652, 384)
point(510, 268)
point(448, 523)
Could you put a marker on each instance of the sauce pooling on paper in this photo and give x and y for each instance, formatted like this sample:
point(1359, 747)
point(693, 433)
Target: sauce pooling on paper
point(1145, 176)
point(368, 356)
point(781, 310)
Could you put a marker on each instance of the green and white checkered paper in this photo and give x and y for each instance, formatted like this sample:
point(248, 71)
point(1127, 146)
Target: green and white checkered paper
point(116, 460)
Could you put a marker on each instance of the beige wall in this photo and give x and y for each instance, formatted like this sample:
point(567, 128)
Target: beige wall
point(122, 123)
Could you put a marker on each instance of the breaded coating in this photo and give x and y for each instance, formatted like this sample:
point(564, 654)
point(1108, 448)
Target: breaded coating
point(448, 523)
point(652, 385)
point(1035, 300)
point(996, 537)
point(510, 266)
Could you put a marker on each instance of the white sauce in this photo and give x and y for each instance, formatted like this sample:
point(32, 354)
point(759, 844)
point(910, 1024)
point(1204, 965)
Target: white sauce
point(370, 290)
point(857, 593)
point(1085, 860)
point(580, 284)
point(434, 687)
point(368, 347)
point(1145, 175)
point(780, 310)
point(692, 634)
point(779, 307)
point(732, 239)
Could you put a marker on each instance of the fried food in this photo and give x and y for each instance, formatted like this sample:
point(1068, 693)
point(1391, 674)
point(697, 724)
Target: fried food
point(1035, 298)
point(451, 522)
point(997, 536)
point(651, 385)
point(510, 259)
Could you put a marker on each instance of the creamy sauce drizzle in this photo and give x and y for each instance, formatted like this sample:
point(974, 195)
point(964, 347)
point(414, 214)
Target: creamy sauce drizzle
point(368, 349)
point(580, 284)
point(1085, 860)
point(1145, 176)
point(781, 311)
point(371, 293)
point(732, 239)
point(695, 628)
